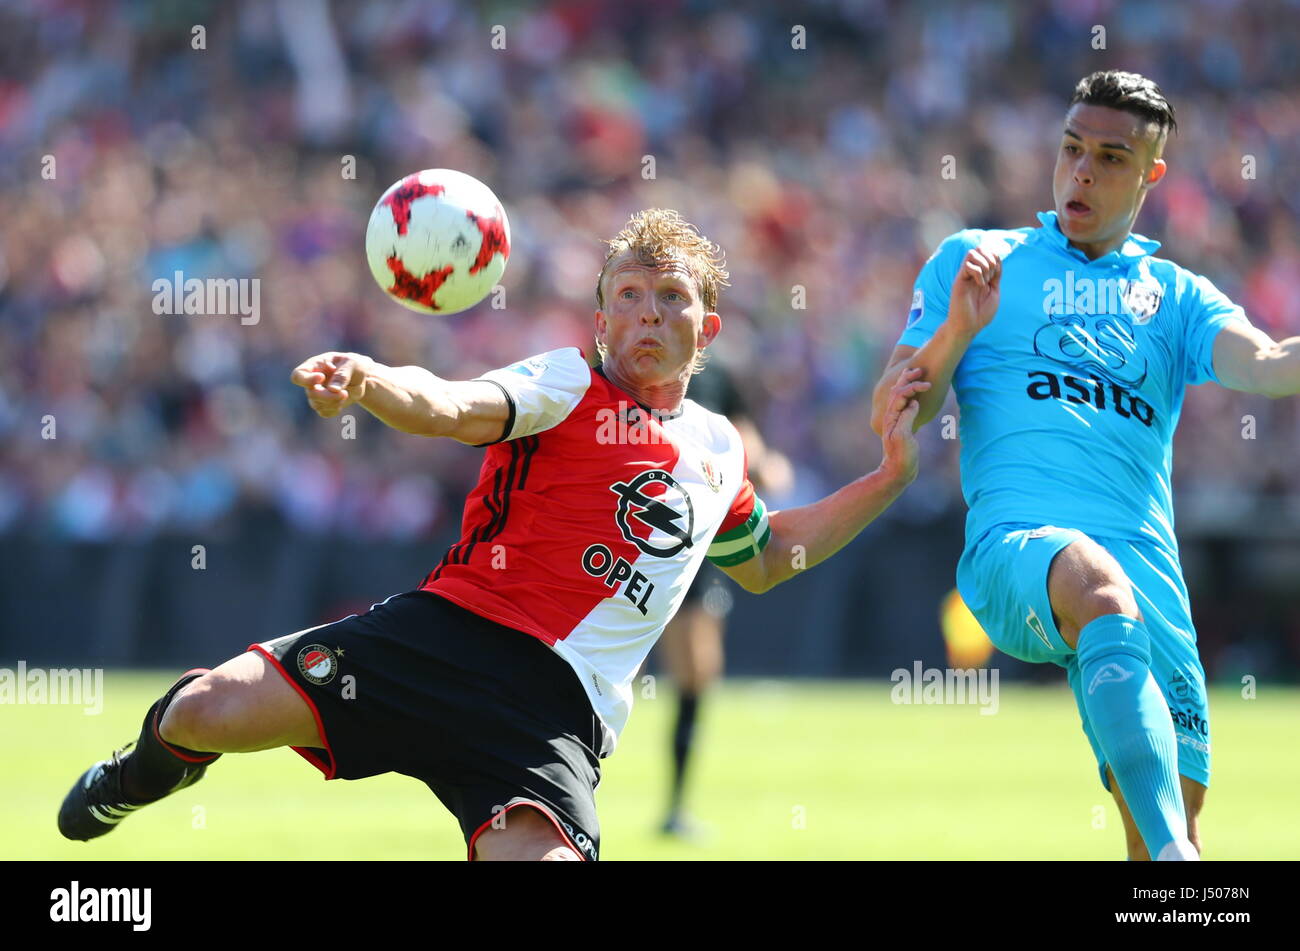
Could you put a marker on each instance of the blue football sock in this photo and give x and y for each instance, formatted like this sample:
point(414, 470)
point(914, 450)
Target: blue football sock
point(1131, 721)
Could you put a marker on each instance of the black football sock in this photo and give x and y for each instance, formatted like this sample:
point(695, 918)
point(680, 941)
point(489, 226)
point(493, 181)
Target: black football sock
point(683, 739)
point(155, 766)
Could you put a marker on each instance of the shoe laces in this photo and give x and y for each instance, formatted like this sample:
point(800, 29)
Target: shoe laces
point(113, 766)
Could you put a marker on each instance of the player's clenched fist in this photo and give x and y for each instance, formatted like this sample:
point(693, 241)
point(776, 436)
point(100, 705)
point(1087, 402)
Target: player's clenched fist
point(901, 454)
point(975, 290)
point(332, 380)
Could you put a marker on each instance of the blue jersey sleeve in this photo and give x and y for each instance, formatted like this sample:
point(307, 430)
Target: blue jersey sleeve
point(1206, 310)
point(933, 284)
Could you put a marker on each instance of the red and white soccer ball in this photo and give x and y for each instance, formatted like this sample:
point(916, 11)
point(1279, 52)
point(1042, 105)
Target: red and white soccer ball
point(438, 241)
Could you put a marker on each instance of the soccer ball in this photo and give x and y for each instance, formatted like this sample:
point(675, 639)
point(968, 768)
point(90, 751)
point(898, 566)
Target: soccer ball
point(438, 241)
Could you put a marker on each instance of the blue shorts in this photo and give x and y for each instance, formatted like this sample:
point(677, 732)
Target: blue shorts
point(1002, 578)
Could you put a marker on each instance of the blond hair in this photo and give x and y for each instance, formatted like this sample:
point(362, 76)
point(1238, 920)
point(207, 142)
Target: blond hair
point(659, 236)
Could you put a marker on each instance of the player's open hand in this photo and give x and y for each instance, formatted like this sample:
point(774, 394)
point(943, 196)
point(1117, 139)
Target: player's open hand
point(332, 380)
point(975, 290)
point(901, 454)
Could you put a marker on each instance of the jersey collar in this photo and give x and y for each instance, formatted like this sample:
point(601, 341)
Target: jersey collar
point(1135, 245)
point(659, 415)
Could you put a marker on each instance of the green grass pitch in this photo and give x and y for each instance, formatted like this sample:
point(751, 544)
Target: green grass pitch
point(785, 770)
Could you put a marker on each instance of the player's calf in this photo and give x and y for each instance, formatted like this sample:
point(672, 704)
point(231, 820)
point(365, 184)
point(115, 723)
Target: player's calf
point(136, 775)
point(1131, 722)
point(242, 706)
point(1193, 801)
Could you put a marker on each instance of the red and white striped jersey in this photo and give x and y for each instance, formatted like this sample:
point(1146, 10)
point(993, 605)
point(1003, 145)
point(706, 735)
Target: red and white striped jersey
point(591, 518)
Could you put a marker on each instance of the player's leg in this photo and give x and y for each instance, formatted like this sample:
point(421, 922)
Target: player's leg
point(1097, 614)
point(692, 652)
point(524, 834)
point(500, 728)
point(1193, 799)
point(1085, 582)
point(241, 706)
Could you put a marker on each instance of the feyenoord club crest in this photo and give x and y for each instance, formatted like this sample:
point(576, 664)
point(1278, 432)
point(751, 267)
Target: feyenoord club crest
point(712, 477)
point(317, 663)
point(669, 515)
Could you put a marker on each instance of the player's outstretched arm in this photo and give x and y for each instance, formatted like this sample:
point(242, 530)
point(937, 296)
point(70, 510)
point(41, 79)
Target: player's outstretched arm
point(824, 527)
point(971, 305)
point(1247, 359)
point(410, 399)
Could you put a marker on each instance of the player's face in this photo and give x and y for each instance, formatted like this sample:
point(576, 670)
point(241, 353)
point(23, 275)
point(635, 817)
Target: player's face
point(653, 322)
point(1105, 165)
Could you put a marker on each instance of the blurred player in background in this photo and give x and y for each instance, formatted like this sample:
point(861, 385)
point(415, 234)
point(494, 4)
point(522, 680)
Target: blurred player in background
point(505, 677)
point(965, 642)
point(691, 645)
point(1069, 347)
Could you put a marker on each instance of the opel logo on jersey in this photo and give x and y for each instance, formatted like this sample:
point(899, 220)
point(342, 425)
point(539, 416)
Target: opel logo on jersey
point(657, 512)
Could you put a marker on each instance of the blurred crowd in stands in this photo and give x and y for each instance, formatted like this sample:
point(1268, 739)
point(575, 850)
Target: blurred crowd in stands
point(814, 156)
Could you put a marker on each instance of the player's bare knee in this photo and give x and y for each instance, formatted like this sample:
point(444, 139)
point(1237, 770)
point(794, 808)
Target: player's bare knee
point(175, 723)
point(1111, 598)
point(526, 836)
point(1085, 583)
point(191, 719)
point(561, 853)
point(1077, 613)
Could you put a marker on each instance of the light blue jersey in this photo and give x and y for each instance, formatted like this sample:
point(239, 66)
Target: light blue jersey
point(1070, 396)
point(1069, 399)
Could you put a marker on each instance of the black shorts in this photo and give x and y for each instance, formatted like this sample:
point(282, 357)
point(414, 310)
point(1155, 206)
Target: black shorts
point(488, 717)
point(709, 579)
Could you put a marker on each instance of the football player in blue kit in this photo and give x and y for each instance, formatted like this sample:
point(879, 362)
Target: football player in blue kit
point(1069, 347)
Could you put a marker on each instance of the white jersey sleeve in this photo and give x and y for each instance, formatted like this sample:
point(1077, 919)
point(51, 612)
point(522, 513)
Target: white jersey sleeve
point(542, 390)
